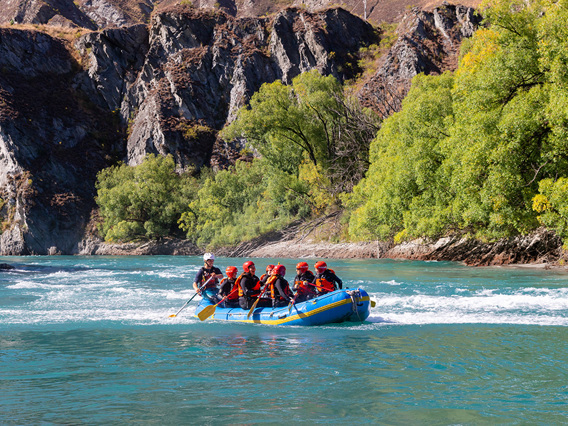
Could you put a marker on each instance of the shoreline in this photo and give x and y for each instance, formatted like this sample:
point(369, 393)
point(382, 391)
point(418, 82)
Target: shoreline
point(539, 250)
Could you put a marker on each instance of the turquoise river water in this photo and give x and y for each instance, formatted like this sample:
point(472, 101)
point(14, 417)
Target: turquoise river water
point(89, 340)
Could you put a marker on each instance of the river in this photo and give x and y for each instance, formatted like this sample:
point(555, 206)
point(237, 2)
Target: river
point(89, 340)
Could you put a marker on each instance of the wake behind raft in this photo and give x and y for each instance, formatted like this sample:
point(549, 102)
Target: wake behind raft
point(335, 307)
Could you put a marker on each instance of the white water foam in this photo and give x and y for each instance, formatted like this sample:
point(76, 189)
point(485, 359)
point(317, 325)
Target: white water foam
point(524, 306)
point(391, 282)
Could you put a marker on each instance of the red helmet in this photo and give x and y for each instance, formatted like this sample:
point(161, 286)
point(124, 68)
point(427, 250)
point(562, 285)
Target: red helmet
point(269, 268)
point(247, 265)
point(320, 266)
point(279, 270)
point(302, 266)
point(231, 271)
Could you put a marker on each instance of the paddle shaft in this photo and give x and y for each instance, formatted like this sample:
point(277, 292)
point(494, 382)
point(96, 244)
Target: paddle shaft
point(292, 303)
point(191, 298)
point(256, 301)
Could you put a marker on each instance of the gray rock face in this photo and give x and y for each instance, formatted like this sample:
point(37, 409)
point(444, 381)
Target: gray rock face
point(89, 14)
point(428, 43)
point(114, 57)
point(50, 146)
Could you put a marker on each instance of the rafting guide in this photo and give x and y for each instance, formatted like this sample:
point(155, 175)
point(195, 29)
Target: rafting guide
point(314, 299)
point(207, 277)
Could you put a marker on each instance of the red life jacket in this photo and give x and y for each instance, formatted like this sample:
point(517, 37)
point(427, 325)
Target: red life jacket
point(233, 295)
point(304, 287)
point(323, 285)
point(255, 289)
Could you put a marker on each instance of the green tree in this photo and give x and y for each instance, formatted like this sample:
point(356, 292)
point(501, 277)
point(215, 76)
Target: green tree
point(505, 130)
point(406, 186)
point(552, 205)
point(144, 201)
point(310, 119)
point(241, 203)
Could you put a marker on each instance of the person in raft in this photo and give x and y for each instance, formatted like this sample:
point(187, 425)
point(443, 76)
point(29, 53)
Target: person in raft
point(279, 288)
point(304, 283)
point(249, 285)
point(208, 274)
point(228, 287)
point(264, 277)
point(325, 279)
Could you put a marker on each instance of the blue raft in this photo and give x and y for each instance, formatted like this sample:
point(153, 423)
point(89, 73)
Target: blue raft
point(337, 306)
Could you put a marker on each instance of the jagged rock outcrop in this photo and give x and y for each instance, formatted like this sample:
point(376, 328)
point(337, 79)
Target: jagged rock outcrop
point(170, 246)
point(202, 66)
point(541, 246)
point(51, 146)
point(89, 14)
point(428, 42)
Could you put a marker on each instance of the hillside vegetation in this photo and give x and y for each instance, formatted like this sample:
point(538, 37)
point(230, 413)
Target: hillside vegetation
point(481, 151)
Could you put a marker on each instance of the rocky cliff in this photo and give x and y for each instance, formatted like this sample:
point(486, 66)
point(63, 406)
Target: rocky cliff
point(101, 14)
point(427, 42)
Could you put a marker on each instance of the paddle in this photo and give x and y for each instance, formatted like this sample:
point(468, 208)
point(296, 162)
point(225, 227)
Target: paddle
point(196, 293)
point(292, 303)
point(256, 301)
point(210, 310)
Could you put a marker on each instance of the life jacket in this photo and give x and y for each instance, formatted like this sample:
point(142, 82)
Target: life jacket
point(232, 295)
point(303, 284)
point(205, 277)
point(304, 287)
point(273, 291)
point(255, 289)
point(323, 284)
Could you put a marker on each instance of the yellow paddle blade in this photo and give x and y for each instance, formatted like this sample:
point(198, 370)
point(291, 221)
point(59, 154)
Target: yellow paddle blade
point(252, 309)
point(172, 315)
point(373, 303)
point(207, 312)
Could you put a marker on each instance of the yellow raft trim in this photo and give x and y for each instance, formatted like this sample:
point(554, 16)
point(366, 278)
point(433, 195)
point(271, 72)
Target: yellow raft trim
point(302, 315)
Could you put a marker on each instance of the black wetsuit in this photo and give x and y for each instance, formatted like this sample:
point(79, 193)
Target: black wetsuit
point(330, 276)
point(226, 289)
point(250, 289)
point(282, 293)
point(305, 291)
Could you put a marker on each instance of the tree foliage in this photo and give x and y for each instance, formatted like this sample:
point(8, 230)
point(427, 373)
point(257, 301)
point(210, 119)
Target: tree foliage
point(310, 119)
point(144, 201)
point(240, 203)
point(467, 151)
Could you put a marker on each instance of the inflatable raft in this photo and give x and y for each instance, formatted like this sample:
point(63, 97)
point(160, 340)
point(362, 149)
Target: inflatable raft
point(337, 306)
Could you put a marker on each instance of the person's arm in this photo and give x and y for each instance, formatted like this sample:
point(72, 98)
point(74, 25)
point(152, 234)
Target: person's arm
point(244, 286)
point(198, 279)
point(339, 282)
point(281, 290)
point(217, 273)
